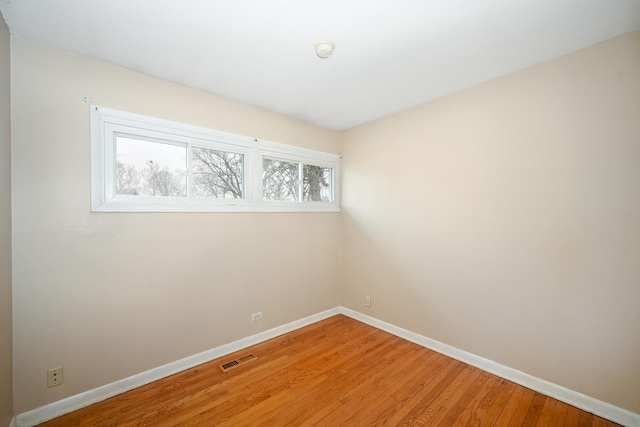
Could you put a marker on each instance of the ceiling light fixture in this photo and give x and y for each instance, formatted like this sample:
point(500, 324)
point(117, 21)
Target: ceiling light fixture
point(324, 49)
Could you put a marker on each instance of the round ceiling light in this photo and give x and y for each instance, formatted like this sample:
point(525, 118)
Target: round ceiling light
point(324, 49)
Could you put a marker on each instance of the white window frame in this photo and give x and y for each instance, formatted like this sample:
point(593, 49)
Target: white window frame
point(106, 123)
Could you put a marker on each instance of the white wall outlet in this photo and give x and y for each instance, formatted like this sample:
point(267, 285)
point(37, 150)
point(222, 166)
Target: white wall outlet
point(256, 316)
point(54, 377)
point(367, 301)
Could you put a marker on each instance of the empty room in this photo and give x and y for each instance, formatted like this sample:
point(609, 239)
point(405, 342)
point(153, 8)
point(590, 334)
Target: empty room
point(356, 213)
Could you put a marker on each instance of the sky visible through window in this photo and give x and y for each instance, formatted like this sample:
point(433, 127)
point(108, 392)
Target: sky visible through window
point(139, 153)
point(150, 168)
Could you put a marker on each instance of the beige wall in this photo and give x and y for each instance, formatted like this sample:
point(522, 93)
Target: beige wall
point(6, 346)
point(505, 220)
point(110, 295)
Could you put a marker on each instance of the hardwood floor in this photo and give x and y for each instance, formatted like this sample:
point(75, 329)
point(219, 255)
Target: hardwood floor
point(338, 372)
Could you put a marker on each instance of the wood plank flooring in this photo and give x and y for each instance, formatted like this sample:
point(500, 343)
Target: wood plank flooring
point(338, 372)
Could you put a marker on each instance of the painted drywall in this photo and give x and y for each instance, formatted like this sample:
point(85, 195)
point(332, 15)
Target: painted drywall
point(504, 220)
point(6, 340)
point(109, 295)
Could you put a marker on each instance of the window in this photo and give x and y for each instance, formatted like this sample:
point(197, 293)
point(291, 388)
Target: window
point(142, 164)
point(150, 168)
point(217, 173)
point(280, 180)
point(293, 181)
point(317, 183)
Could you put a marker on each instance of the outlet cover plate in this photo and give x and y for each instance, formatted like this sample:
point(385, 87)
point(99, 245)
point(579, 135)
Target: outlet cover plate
point(54, 377)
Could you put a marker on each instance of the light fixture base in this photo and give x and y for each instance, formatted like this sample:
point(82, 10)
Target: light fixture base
point(324, 48)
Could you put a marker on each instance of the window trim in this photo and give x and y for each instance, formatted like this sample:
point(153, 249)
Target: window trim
point(106, 122)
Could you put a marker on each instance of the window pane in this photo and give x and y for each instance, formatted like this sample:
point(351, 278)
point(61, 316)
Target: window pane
point(279, 180)
point(218, 174)
point(148, 168)
point(317, 184)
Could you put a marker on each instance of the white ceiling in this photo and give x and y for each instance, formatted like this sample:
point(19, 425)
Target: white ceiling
point(390, 54)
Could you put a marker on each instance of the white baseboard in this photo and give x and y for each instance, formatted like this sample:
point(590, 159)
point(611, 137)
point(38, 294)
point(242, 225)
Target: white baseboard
point(579, 400)
point(73, 403)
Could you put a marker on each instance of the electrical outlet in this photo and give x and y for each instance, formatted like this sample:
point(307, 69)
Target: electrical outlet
point(256, 316)
point(367, 301)
point(54, 377)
